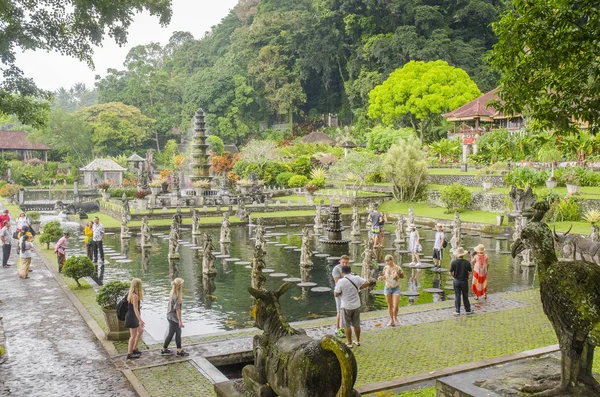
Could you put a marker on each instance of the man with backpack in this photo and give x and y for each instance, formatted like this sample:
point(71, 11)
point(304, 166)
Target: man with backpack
point(438, 245)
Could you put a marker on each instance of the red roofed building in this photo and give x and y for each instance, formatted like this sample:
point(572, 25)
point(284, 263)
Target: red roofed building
point(16, 142)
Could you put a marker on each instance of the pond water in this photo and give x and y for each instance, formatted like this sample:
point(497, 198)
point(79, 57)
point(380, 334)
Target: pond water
point(225, 303)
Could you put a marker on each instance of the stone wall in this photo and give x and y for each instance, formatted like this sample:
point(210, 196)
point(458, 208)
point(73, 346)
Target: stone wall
point(465, 180)
point(490, 202)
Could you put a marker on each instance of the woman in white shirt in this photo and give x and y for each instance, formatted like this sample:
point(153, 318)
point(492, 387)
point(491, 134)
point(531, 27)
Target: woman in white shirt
point(22, 221)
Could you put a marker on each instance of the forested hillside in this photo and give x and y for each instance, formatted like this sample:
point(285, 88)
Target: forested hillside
point(284, 61)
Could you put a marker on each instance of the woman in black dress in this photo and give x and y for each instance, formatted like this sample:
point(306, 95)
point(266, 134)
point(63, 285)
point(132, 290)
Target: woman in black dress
point(133, 318)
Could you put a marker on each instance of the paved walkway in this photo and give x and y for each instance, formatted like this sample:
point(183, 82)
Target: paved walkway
point(50, 349)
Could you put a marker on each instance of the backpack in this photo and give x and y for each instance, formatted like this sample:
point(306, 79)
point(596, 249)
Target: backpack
point(445, 244)
point(122, 308)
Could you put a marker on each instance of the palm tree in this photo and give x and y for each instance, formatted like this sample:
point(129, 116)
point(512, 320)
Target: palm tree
point(549, 152)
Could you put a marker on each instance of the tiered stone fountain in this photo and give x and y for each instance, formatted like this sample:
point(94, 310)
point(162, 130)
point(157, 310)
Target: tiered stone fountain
point(200, 163)
point(334, 227)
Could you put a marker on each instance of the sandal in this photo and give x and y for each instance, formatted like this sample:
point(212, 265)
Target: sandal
point(356, 343)
point(183, 353)
point(133, 356)
point(165, 351)
point(349, 345)
point(137, 351)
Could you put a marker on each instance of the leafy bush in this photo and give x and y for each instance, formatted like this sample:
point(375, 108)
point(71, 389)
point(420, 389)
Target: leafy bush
point(564, 210)
point(111, 292)
point(33, 216)
point(381, 138)
point(51, 233)
point(297, 181)
point(283, 178)
point(302, 166)
point(10, 190)
point(522, 177)
point(405, 165)
point(317, 182)
point(118, 193)
point(78, 267)
point(456, 198)
point(577, 176)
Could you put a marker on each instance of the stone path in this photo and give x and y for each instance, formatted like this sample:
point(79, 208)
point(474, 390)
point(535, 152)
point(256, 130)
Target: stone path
point(50, 349)
point(218, 347)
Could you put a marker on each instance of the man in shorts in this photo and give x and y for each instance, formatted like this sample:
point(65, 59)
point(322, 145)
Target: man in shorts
point(374, 229)
point(337, 275)
point(347, 288)
point(438, 245)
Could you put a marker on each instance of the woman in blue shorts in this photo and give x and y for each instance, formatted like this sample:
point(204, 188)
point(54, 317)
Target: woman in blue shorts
point(392, 274)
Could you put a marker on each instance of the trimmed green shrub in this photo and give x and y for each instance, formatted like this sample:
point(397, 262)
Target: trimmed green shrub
point(522, 177)
point(302, 166)
point(456, 198)
point(318, 182)
point(33, 216)
point(78, 267)
point(51, 233)
point(297, 181)
point(283, 178)
point(118, 193)
point(111, 292)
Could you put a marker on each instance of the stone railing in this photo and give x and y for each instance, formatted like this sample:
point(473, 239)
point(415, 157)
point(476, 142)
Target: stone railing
point(465, 180)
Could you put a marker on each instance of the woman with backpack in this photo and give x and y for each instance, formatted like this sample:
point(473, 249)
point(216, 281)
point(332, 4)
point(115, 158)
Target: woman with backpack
point(174, 318)
point(25, 247)
point(133, 318)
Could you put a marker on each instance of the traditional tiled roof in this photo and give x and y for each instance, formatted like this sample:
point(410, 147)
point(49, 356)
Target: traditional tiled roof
point(318, 137)
point(103, 165)
point(17, 140)
point(231, 149)
point(477, 108)
point(135, 157)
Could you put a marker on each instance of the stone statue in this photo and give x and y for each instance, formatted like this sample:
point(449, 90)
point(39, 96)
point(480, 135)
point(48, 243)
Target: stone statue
point(242, 214)
point(258, 264)
point(125, 217)
point(282, 351)
point(260, 234)
point(455, 240)
point(522, 200)
point(178, 215)
point(225, 229)
point(368, 267)
point(355, 227)
point(594, 233)
point(305, 251)
point(176, 184)
point(571, 301)
point(575, 247)
point(145, 233)
point(144, 179)
point(174, 238)
point(318, 223)
point(411, 216)
point(196, 222)
point(208, 259)
point(400, 237)
point(149, 164)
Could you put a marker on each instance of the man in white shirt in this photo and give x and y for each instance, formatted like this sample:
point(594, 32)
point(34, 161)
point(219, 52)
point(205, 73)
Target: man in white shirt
point(6, 238)
point(336, 273)
point(438, 245)
point(97, 237)
point(347, 288)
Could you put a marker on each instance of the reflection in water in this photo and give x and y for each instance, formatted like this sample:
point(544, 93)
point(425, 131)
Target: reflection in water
point(146, 260)
point(173, 268)
point(125, 246)
point(208, 290)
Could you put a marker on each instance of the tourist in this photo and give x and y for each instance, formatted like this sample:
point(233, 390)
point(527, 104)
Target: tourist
point(413, 245)
point(374, 219)
point(5, 216)
point(392, 274)
point(22, 221)
point(26, 246)
point(60, 249)
point(39, 183)
point(87, 240)
point(480, 271)
point(347, 288)
point(438, 245)
point(97, 244)
point(337, 275)
point(174, 318)
point(53, 182)
point(460, 269)
point(382, 221)
point(133, 318)
point(6, 237)
point(64, 183)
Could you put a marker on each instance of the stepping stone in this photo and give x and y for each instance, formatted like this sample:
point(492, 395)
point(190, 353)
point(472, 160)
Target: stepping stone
point(409, 293)
point(433, 290)
point(278, 234)
point(278, 275)
point(248, 267)
point(267, 270)
point(216, 252)
point(403, 252)
point(307, 284)
point(424, 266)
point(320, 289)
point(123, 260)
point(294, 225)
point(298, 249)
point(501, 238)
point(109, 234)
point(242, 263)
point(117, 257)
point(290, 247)
point(222, 256)
point(272, 242)
point(409, 265)
point(232, 259)
point(292, 280)
point(321, 255)
point(377, 292)
point(197, 248)
point(389, 249)
point(503, 252)
point(439, 270)
point(486, 236)
point(280, 245)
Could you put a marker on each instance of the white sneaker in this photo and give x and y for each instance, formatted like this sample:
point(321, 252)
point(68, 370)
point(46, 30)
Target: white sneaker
point(457, 313)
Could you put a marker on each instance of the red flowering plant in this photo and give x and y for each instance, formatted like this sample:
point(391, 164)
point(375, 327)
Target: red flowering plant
point(141, 194)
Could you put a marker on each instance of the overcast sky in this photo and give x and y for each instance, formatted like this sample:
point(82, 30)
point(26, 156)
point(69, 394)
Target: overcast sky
point(51, 70)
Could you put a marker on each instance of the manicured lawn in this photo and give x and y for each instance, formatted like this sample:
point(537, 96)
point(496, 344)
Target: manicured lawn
point(422, 209)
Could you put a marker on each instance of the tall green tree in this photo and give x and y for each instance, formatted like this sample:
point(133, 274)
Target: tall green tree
point(547, 54)
point(419, 92)
point(71, 28)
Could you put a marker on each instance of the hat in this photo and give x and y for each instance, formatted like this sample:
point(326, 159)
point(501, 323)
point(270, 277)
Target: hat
point(6, 211)
point(439, 225)
point(480, 248)
point(412, 225)
point(460, 251)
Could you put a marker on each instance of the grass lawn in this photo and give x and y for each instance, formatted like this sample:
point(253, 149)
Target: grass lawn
point(422, 209)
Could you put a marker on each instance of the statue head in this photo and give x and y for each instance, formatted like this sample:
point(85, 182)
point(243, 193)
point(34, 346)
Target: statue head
point(266, 311)
point(537, 237)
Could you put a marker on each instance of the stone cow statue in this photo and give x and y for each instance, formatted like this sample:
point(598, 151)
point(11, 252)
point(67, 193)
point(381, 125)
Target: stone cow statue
point(77, 208)
point(576, 247)
point(289, 363)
